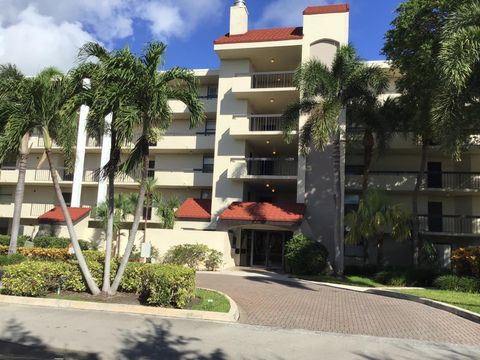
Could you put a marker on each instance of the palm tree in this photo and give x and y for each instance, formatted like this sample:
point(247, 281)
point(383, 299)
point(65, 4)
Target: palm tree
point(456, 106)
point(141, 94)
point(325, 93)
point(373, 219)
point(166, 209)
point(151, 184)
point(10, 81)
point(41, 104)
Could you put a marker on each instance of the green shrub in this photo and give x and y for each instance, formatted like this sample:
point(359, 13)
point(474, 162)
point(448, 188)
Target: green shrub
point(466, 261)
point(305, 256)
point(5, 240)
point(166, 285)
point(457, 283)
point(57, 243)
point(11, 259)
point(405, 277)
point(38, 253)
point(131, 278)
point(191, 255)
point(214, 260)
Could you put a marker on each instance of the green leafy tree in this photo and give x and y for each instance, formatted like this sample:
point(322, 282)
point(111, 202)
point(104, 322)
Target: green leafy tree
point(325, 93)
point(40, 103)
point(413, 45)
point(373, 219)
point(456, 107)
point(166, 209)
point(11, 80)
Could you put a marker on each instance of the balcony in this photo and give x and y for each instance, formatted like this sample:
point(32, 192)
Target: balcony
point(37, 176)
point(266, 91)
point(263, 168)
point(257, 126)
point(450, 224)
point(405, 181)
point(209, 103)
point(188, 142)
point(28, 210)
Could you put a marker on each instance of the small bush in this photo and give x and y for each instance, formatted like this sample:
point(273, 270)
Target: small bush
point(57, 243)
point(39, 253)
point(131, 278)
point(367, 270)
point(305, 256)
point(457, 283)
point(11, 259)
point(406, 277)
point(5, 240)
point(166, 285)
point(193, 256)
point(466, 261)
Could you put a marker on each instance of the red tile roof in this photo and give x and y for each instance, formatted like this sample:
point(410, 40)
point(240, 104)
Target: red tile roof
point(257, 211)
point(328, 9)
point(275, 34)
point(56, 214)
point(195, 209)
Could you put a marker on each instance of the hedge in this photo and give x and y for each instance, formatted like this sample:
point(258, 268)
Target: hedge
point(466, 261)
point(5, 240)
point(44, 242)
point(156, 284)
point(194, 256)
point(39, 253)
point(457, 283)
point(11, 259)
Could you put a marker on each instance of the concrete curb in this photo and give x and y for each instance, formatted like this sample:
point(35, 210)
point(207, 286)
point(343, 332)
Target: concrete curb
point(234, 312)
point(390, 292)
point(231, 316)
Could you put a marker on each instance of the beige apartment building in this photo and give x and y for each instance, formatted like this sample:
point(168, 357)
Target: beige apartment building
point(243, 189)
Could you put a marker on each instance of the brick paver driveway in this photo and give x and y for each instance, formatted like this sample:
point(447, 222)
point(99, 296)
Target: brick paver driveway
point(266, 301)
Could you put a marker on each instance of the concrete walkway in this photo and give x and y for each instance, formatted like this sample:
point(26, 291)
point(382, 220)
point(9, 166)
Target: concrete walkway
point(274, 300)
point(44, 333)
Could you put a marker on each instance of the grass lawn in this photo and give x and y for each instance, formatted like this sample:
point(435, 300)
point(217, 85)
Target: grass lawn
point(346, 280)
point(210, 301)
point(463, 300)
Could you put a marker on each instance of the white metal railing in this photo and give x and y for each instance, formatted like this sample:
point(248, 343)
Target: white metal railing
point(266, 80)
point(40, 209)
point(267, 122)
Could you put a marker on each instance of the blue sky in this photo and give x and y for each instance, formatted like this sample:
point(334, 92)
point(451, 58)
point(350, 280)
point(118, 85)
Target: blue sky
point(369, 19)
point(39, 33)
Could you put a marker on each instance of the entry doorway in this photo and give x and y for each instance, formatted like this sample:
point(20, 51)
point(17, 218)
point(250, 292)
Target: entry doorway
point(264, 249)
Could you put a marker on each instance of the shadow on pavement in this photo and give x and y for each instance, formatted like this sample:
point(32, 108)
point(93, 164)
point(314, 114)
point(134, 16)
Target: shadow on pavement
point(281, 281)
point(19, 344)
point(159, 343)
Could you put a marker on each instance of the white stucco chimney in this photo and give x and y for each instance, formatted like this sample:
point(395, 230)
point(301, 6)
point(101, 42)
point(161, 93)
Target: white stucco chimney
point(238, 18)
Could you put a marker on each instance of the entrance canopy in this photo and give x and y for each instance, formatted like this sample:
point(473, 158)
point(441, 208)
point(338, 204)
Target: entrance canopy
point(264, 212)
point(56, 215)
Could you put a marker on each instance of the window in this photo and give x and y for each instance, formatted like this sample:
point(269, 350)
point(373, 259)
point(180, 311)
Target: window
point(351, 203)
point(151, 169)
point(205, 194)
point(353, 169)
point(207, 164)
point(212, 91)
point(210, 126)
point(3, 227)
point(68, 198)
point(10, 161)
point(5, 195)
point(144, 212)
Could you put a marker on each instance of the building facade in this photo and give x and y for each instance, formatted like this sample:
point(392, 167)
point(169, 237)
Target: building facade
point(243, 189)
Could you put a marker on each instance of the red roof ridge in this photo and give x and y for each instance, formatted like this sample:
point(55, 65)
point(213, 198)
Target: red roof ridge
point(262, 35)
point(198, 209)
point(56, 214)
point(326, 9)
point(264, 211)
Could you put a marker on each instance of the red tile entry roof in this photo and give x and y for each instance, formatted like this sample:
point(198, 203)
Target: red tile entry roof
point(258, 211)
point(275, 34)
point(56, 214)
point(328, 9)
point(198, 209)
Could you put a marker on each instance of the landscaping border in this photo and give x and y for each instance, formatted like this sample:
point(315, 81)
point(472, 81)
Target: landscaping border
point(231, 316)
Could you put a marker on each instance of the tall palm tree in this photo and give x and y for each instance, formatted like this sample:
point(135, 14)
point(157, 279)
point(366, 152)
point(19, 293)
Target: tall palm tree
point(325, 93)
point(151, 184)
point(10, 81)
point(456, 106)
point(166, 209)
point(373, 219)
point(41, 105)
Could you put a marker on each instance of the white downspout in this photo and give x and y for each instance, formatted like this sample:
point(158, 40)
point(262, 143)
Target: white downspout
point(105, 157)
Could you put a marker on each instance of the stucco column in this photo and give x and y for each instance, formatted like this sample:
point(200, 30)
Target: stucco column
point(79, 157)
point(105, 157)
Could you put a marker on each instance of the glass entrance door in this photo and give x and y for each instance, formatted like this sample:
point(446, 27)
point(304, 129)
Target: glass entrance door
point(267, 249)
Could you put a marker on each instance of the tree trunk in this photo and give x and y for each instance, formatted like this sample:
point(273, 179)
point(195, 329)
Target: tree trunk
point(110, 219)
point(92, 286)
point(380, 252)
point(338, 225)
point(368, 144)
point(133, 230)
point(19, 192)
point(416, 192)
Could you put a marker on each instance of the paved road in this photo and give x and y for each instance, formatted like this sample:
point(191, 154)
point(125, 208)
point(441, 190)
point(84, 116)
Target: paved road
point(46, 333)
point(294, 305)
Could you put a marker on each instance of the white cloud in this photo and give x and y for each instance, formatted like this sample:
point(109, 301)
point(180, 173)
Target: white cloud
point(39, 33)
point(287, 12)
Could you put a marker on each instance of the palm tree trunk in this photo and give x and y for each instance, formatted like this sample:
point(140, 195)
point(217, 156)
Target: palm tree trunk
point(134, 229)
point(338, 225)
point(109, 234)
point(19, 192)
point(92, 286)
point(416, 192)
point(368, 143)
point(146, 221)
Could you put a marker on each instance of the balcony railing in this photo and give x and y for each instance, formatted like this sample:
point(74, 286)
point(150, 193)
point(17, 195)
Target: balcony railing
point(271, 166)
point(266, 123)
point(450, 224)
point(272, 80)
